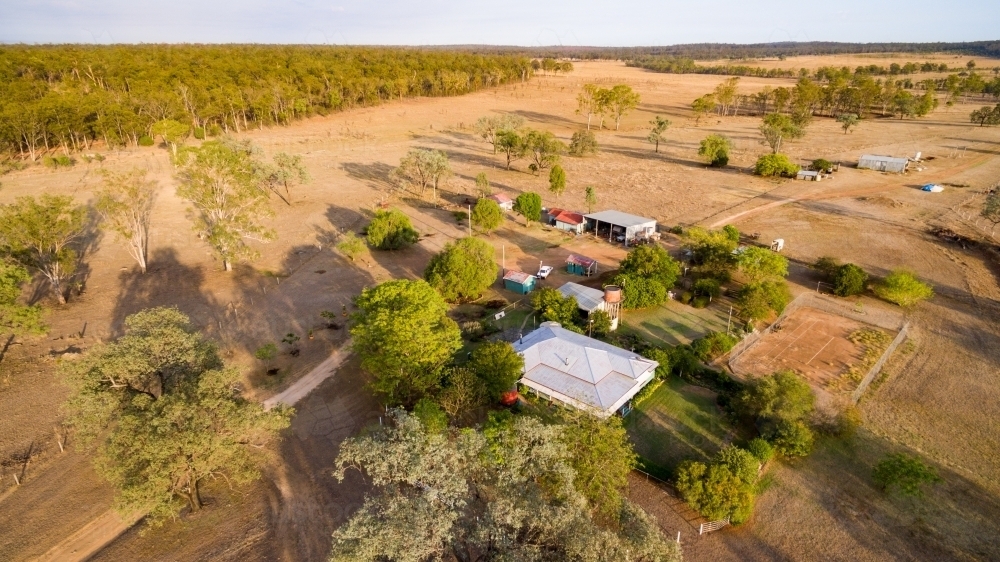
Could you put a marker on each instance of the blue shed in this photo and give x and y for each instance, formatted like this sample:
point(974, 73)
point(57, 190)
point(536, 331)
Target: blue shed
point(519, 282)
point(581, 265)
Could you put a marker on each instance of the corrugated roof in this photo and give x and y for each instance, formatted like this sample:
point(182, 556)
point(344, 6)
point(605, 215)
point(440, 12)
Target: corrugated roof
point(568, 217)
point(587, 298)
point(581, 369)
point(517, 276)
point(619, 218)
point(580, 260)
point(878, 158)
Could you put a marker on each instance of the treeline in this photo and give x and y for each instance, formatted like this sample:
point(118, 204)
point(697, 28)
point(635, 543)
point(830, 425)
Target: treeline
point(716, 51)
point(681, 65)
point(67, 97)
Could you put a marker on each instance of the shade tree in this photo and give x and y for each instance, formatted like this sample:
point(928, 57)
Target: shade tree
point(645, 276)
point(498, 366)
point(512, 145)
point(220, 180)
point(758, 264)
point(463, 270)
point(423, 168)
point(443, 495)
point(543, 149)
point(557, 180)
point(162, 413)
point(487, 215)
point(619, 101)
point(43, 235)
point(404, 337)
point(778, 127)
point(529, 206)
point(489, 127)
point(390, 229)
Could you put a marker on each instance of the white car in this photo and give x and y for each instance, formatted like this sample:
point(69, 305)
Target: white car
point(544, 271)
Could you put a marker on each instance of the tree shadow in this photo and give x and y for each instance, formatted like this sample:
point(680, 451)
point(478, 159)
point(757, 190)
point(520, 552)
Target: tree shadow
point(167, 282)
point(548, 118)
point(377, 175)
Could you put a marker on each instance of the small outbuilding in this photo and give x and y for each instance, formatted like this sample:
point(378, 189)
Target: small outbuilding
point(620, 226)
point(582, 372)
point(883, 163)
point(566, 220)
point(808, 175)
point(506, 203)
point(590, 300)
point(581, 265)
point(519, 282)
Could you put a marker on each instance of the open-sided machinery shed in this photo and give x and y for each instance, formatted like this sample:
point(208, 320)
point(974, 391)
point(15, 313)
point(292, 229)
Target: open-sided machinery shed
point(619, 223)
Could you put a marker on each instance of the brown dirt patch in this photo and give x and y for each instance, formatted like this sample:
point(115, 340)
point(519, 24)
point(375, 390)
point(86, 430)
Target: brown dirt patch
point(813, 343)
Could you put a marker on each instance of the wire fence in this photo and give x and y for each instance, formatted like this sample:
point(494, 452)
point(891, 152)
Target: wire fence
point(875, 316)
point(877, 367)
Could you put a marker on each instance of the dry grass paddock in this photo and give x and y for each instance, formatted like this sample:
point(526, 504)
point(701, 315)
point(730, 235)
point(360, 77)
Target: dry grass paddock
point(939, 401)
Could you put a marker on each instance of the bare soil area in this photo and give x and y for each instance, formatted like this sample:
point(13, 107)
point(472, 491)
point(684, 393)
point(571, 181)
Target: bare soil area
point(939, 400)
point(810, 342)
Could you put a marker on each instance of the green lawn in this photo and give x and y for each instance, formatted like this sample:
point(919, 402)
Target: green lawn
point(674, 323)
point(678, 422)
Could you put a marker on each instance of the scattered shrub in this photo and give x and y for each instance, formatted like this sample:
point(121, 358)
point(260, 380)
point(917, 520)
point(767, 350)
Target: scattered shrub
point(905, 474)
point(199, 133)
point(732, 233)
point(761, 450)
point(599, 323)
point(849, 280)
point(903, 288)
point(391, 230)
point(146, 140)
point(713, 345)
point(214, 130)
point(677, 229)
point(790, 438)
point(707, 287)
point(774, 165)
point(715, 150)
point(822, 165)
point(699, 302)
point(583, 143)
point(686, 297)
point(430, 414)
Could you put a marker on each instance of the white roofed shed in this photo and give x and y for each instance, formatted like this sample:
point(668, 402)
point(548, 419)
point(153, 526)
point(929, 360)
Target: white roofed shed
point(883, 163)
point(582, 372)
point(631, 226)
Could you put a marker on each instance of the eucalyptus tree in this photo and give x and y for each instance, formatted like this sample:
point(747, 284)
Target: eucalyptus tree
point(42, 234)
point(126, 204)
point(221, 180)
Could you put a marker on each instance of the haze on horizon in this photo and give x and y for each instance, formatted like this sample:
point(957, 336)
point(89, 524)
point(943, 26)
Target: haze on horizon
point(519, 22)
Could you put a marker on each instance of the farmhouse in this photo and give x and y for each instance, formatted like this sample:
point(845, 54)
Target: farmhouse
point(581, 265)
point(518, 281)
point(883, 163)
point(590, 300)
point(506, 203)
point(566, 220)
point(620, 226)
point(582, 372)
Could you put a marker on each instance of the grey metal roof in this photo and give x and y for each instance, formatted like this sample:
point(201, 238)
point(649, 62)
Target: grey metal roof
point(808, 173)
point(619, 218)
point(877, 158)
point(587, 298)
point(582, 371)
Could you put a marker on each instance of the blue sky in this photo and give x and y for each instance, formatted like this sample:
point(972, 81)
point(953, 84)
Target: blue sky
point(510, 22)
